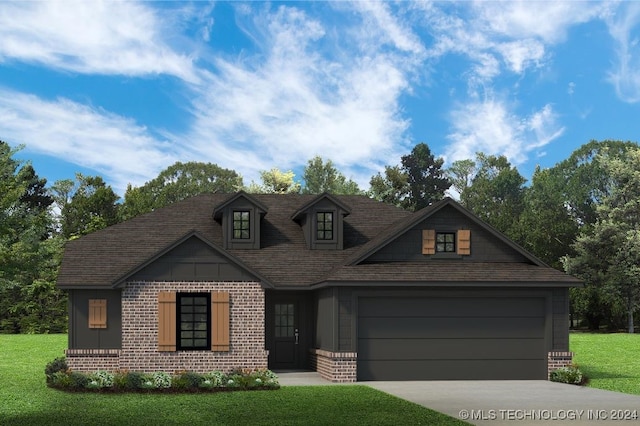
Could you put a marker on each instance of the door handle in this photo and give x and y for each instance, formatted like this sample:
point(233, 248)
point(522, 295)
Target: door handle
point(296, 334)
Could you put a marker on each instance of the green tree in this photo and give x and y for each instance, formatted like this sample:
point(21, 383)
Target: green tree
point(608, 253)
point(419, 182)
point(427, 179)
point(496, 193)
point(178, 182)
point(461, 174)
point(320, 176)
point(392, 188)
point(29, 258)
point(93, 206)
point(275, 181)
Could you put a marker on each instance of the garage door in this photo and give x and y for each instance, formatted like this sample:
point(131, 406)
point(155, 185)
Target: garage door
point(451, 338)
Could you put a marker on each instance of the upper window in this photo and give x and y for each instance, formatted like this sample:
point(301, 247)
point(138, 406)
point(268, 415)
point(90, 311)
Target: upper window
point(194, 317)
point(445, 242)
point(241, 225)
point(324, 225)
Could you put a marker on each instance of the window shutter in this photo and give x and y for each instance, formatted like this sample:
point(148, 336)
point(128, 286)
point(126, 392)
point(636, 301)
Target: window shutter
point(464, 242)
point(220, 321)
point(97, 313)
point(166, 321)
point(428, 241)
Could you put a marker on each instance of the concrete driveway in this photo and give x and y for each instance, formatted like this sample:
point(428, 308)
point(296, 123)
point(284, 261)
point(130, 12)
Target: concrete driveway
point(508, 402)
point(526, 402)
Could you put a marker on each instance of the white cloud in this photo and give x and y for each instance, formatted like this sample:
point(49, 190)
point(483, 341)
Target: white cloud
point(624, 27)
point(288, 103)
point(94, 37)
point(92, 138)
point(489, 126)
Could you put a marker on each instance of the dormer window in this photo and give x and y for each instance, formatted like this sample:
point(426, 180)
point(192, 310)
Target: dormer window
point(241, 224)
point(324, 226)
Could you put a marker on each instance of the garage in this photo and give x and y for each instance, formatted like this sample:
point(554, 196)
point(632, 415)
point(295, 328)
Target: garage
point(451, 338)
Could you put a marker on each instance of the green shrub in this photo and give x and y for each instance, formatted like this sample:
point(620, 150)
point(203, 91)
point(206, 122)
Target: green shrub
point(187, 380)
point(55, 366)
point(60, 380)
point(214, 379)
point(100, 380)
point(120, 380)
point(134, 380)
point(161, 380)
point(570, 374)
point(78, 380)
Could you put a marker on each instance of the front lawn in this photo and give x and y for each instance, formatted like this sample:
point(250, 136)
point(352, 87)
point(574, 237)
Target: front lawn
point(610, 361)
point(25, 400)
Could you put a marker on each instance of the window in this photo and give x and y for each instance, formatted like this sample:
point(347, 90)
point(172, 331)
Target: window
point(285, 318)
point(445, 242)
point(324, 225)
point(241, 225)
point(190, 321)
point(194, 317)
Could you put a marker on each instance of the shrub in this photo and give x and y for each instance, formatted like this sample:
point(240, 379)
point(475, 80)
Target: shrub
point(55, 366)
point(161, 380)
point(570, 374)
point(100, 380)
point(214, 379)
point(60, 380)
point(134, 380)
point(78, 380)
point(186, 380)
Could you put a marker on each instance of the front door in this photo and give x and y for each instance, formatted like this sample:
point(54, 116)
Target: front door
point(286, 335)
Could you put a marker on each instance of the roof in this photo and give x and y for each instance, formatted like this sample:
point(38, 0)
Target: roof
point(106, 257)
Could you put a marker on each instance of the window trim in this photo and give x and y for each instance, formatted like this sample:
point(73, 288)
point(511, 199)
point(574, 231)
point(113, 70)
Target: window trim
point(241, 222)
point(209, 325)
point(317, 223)
point(446, 244)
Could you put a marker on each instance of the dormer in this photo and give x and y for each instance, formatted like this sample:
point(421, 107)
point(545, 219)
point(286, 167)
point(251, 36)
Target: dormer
point(322, 221)
point(240, 216)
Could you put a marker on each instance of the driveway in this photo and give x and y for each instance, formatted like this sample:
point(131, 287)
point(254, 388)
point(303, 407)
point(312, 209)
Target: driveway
point(526, 402)
point(508, 402)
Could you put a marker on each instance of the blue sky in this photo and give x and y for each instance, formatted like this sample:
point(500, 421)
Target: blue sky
point(125, 89)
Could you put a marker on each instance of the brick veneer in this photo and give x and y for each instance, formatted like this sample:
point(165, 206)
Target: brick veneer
point(140, 332)
point(556, 360)
point(338, 367)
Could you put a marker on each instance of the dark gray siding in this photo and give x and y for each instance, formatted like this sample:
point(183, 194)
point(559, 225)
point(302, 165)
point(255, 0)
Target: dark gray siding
point(560, 319)
point(193, 260)
point(484, 246)
point(325, 319)
point(80, 335)
point(453, 337)
point(345, 323)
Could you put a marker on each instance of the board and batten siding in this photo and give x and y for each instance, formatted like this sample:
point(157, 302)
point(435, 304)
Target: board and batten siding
point(86, 331)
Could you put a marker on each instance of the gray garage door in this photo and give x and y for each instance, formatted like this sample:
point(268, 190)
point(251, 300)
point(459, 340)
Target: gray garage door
point(454, 338)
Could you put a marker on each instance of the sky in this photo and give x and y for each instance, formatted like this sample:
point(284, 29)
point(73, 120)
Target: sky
point(125, 89)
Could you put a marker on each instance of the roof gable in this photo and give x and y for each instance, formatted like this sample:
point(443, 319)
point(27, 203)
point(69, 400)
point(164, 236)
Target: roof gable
point(397, 230)
point(345, 210)
point(218, 210)
point(190, 258)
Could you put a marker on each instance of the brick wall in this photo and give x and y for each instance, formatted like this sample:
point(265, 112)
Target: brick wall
point(338, 367)
point(556, 360)
point(140, 332)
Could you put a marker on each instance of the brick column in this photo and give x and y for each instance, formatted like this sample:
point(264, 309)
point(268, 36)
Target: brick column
point(556, 360)
point(337, 367)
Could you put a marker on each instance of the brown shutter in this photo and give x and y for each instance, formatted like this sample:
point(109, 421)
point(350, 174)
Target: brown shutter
point(166, 321)
point(464, 242)
point(97, 313)
point(220, 321)
point(428, 241)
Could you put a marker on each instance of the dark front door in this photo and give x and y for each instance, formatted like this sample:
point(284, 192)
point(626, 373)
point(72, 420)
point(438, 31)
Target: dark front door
point(286, 335)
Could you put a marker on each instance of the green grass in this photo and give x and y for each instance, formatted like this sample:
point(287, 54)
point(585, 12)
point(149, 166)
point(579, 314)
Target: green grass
point(610, 361)
point(25, 400)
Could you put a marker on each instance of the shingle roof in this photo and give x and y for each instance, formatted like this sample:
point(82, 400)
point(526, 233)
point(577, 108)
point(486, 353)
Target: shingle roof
point(101, 259)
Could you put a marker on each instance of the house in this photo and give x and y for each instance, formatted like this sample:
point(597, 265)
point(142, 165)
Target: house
point(345, 285)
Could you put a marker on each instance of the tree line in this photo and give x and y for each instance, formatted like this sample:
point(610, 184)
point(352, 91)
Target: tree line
point(581, 216)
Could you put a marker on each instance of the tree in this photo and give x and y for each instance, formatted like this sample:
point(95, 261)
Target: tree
point(93, 206)
point(29, 257)
point(461, 174)
point(275, 181)
point(392, 188)
point(416, 184)
point(427, 180)
point(322, 177)
point(178, 182)
point(608, 253)
point(496, 193)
